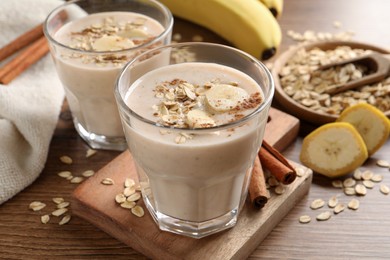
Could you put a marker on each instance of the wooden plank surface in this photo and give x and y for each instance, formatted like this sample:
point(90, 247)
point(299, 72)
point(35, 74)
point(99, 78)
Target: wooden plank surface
point(95, 203)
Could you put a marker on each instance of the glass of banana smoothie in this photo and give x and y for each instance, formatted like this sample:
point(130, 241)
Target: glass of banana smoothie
point(194, 122)
point(90, 42)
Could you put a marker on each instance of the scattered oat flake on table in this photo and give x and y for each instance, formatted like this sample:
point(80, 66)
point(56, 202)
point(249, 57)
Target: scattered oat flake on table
point(377, 177)
point(368, 184)
point(37, 205)
point(323, 216)
point(138, 211)
point(353, 204)
point(349, 182)
point(64, 174)
point(134, 197)
point(63, 205)
point(304, 219)
point(107, 181)
point(76, 179)
point(66, 159)
point(367, 175)
point(349, 191)
point(383, 163)
point(120, 198)
point(129, 191)
point(90, 152)
point(59, 212)
point(45, 219)
point(317, 203)
point(129, 182)
point(128, 204)
point(88, 173)
point(65, 220)
point(339, 208)
point(333, 201)
point(357, 174)
point(384, 189)
point(58, 200)
point(360, 189)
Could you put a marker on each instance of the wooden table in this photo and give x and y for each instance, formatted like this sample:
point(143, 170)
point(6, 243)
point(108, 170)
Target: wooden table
point(364, 233)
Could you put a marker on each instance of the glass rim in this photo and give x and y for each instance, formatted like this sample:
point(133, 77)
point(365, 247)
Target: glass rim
point(56, 10)
point(267, 96)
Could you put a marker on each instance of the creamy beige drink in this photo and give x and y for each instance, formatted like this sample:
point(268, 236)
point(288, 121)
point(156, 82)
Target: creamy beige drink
point(196, 168)
point(99, 45)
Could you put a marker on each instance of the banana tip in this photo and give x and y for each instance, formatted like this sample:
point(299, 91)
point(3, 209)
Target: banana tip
point(268, 53)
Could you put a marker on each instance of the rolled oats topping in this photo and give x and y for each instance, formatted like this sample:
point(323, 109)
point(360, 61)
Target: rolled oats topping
point(108, 32)
point(186, 105)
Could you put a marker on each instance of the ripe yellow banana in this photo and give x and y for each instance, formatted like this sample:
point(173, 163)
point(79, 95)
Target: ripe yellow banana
point(275, 6)
point(247, 24)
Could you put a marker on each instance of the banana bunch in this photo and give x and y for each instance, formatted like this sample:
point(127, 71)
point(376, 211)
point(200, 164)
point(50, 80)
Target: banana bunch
point(247, 24)
point(275, 6)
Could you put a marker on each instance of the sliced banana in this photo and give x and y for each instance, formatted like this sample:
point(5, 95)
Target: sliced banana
point(199, 119)
point(224, 97)
point(371, 124)
point(333, 149)
point(112, 43)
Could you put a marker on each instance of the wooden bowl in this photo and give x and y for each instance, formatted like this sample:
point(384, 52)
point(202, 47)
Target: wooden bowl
point(295, 108)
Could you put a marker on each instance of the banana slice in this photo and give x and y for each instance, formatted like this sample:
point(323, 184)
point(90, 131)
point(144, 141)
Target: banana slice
point(199, 119)
point(112, 43)
point(370, 122)
point(333, 149)
point(224, 97)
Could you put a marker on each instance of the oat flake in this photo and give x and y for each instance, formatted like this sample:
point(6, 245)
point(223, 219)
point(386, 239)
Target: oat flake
point(66, 159)
point(65, 220)
point(316, 204)
point(323, 216)
point(138, 211)
point(304, 219)
point(353, 204)
point(45, 219)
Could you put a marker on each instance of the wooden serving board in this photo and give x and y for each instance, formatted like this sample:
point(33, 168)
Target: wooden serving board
point(95, 202)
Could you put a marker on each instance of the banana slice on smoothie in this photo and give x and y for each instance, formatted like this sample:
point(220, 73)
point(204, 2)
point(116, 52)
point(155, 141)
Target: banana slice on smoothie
point(199, 119)
point(112, 43)
point(224, 97)
point(333, 149)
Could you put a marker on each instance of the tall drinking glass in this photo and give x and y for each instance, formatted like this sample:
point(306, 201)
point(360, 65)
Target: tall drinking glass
point(90, 41)
point(194, 116)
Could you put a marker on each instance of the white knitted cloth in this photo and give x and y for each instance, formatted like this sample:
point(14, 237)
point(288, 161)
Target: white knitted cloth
point(29, 105)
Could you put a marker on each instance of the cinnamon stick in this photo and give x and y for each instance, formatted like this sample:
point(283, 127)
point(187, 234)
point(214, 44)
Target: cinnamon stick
point(24, 60)
point(22, 41)
point(258, 192)
point(275, 162)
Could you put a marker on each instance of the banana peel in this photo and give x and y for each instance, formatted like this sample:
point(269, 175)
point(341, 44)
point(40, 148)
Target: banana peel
point(275, 6)
point(248, 24)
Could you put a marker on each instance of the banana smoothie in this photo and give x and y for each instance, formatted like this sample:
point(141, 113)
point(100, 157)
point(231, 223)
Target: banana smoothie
point(194, 165)
point(98, 47)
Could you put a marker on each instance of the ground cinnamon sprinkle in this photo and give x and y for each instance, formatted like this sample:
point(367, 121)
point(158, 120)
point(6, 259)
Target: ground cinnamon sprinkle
point(253, 101)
